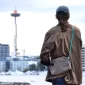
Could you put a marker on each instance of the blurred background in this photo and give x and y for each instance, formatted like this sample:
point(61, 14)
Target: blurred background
point(23, 24)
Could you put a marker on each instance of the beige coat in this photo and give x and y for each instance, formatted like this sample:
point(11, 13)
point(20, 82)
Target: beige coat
point(57, 44)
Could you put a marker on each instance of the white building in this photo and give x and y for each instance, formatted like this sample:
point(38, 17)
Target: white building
point(20, 65)
point(83, 57)
point(2, 66)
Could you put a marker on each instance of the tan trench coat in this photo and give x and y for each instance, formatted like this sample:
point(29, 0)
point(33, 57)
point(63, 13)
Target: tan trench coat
point(57, 44)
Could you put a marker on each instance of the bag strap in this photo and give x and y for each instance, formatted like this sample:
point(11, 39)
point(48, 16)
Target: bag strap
point(70, 48)
point(72, 36)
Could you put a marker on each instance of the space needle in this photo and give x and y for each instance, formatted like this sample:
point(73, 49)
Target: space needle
point(15, 14)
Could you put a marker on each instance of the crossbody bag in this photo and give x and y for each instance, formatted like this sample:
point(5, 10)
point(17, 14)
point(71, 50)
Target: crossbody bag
point(62, 64)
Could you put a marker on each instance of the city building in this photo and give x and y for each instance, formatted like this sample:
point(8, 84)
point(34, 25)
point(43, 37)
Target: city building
point(4, 53)
point(17, 64)
point(2, 66)
point(4, 50)
point(83, 57)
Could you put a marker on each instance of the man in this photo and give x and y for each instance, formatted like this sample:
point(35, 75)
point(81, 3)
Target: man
point(56, 44)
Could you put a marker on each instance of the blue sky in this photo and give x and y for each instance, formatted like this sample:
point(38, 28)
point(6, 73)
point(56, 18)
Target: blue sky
point(37, 17)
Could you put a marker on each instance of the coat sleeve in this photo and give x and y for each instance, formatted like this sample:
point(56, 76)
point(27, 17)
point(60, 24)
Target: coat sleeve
point(47, 46)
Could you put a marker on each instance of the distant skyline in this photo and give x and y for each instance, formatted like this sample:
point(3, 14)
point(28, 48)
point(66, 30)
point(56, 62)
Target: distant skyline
point(37, 17)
